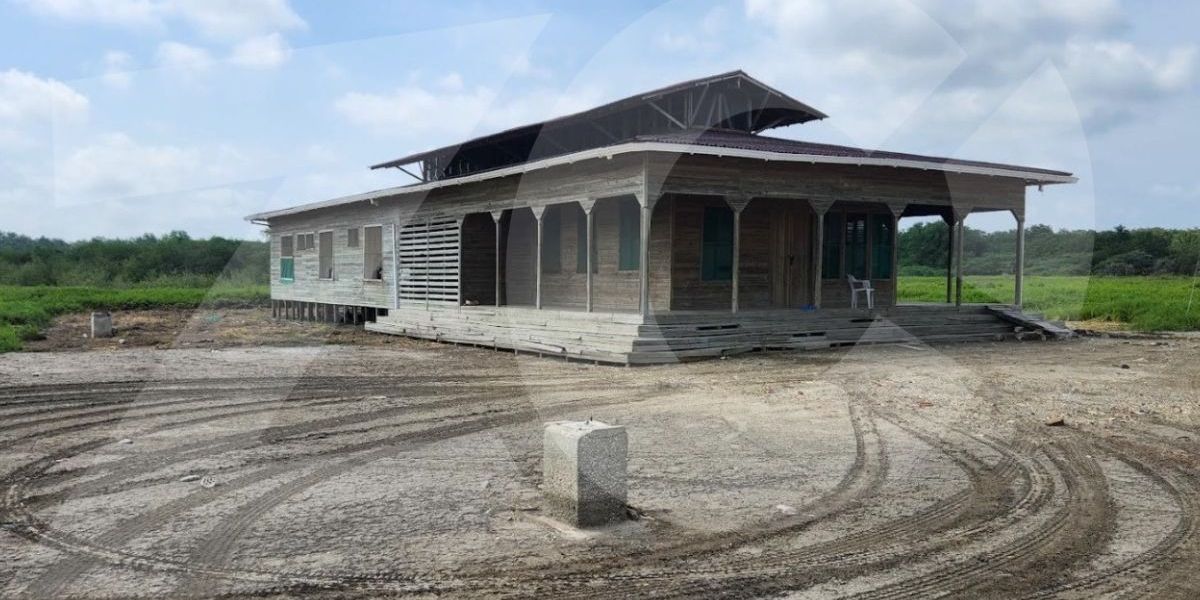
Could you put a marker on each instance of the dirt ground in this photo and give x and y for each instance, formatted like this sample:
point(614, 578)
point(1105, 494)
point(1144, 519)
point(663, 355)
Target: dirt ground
point(229, 456)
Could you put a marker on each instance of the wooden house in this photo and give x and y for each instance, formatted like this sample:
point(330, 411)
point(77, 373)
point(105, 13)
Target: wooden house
point(656, 228)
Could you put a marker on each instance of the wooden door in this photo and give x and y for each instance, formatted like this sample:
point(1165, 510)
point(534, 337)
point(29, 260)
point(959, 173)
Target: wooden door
point(790, 242)
point(799, 241)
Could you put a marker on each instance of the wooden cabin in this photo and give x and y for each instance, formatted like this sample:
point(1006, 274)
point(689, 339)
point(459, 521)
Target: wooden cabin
point(656, 228)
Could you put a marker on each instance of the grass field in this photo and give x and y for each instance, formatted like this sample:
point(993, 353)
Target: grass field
point(24, 311)
point(1138, 303)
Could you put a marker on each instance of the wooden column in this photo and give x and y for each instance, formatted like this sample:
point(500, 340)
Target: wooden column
point(589, 245)
point(897, 209)
point(538, 212)
point(1019, 269)
point(960, 218)
point(644, 258)
point(737, 204)
point(951, 227)
point(820, 207)
point(497, 216)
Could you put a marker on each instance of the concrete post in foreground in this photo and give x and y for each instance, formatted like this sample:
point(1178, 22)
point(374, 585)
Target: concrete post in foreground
point(102, 326)
point(583, 472)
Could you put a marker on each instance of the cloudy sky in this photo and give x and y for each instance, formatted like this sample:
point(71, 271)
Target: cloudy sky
point(121, 117)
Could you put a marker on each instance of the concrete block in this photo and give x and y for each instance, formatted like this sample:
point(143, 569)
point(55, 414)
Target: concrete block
point(102, 326)
point(583, 472)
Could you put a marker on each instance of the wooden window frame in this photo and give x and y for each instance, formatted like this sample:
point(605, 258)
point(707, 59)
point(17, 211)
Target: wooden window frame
point(583, 245)
point(629, 253)
point(290, 258)
point(840, 228)
point(332, 255)
point(381, 277)
point(712, 273)
point(552, 252)
point(865, 218)
point(874, 222)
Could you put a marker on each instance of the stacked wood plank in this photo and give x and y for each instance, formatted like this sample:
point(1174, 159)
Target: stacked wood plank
point(625, 338)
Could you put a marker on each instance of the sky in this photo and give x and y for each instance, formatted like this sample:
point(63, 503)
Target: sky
point(125, 117)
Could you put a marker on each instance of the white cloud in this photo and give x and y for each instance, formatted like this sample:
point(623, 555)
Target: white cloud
point(129, 13)
point(448, 111)
point(902, 56)
point(451, 82)
point(416, 109)
point(24, 96)
point(521, 65)
point(237, 19)
point(262, 52)
point(117, 67)
point(118, 166)
point(185, 60)
point(218, 19)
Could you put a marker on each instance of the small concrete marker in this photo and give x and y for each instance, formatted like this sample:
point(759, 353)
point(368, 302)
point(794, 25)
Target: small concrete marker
point(583, 472)
point(102, 326)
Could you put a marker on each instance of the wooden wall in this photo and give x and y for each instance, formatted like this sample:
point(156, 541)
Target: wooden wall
point(348, 285)
point(687, 184)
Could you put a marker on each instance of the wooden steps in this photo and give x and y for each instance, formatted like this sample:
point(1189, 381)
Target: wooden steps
point(624, 338)
point(1031, 321)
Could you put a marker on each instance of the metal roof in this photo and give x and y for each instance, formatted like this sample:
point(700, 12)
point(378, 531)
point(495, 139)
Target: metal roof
point(740, 101)
point(721, 144)
point(743, 141)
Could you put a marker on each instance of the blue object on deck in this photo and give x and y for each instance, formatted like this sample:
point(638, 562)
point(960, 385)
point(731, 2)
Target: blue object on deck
point(808, 308)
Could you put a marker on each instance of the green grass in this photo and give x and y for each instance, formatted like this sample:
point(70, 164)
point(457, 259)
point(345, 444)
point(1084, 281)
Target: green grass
point(1139, 303)
point(24, 311)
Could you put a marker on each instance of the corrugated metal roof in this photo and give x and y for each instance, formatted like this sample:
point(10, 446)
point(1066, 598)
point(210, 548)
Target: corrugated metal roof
point(744, 141)
point(799, 112)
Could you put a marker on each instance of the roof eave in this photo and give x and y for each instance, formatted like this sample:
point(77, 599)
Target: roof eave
point(1029, 177)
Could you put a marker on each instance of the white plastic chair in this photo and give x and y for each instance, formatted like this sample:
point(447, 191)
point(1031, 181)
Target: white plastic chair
point(862, 286)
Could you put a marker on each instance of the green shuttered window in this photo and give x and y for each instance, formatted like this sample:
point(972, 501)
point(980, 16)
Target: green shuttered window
point(856, 245)
point(287, 262)
point(881, 247)
point(552, 240)
point(831, 252)
point(716, 259)
point(581, 243)
point(629, 224)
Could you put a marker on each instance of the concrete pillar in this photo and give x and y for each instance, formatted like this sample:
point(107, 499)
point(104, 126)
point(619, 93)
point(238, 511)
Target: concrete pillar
point(1019, 270)
point(102, 326)
point(584, 472)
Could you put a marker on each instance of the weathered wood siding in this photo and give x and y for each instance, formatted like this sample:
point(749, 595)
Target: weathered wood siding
point(348, 285)
point(686, 184)
point(722, 176)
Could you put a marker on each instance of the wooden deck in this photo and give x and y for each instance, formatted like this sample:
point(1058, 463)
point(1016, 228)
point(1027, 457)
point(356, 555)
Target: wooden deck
point(625, 338)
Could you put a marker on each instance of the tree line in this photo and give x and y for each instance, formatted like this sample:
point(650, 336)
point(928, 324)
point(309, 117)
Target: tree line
point(177, 259)
point(174, 259)
point(1118, 251)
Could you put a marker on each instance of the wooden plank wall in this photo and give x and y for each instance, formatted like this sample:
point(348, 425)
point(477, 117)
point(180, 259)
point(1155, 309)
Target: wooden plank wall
point(688, 289)
point(348, 285)
point(428, 253)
